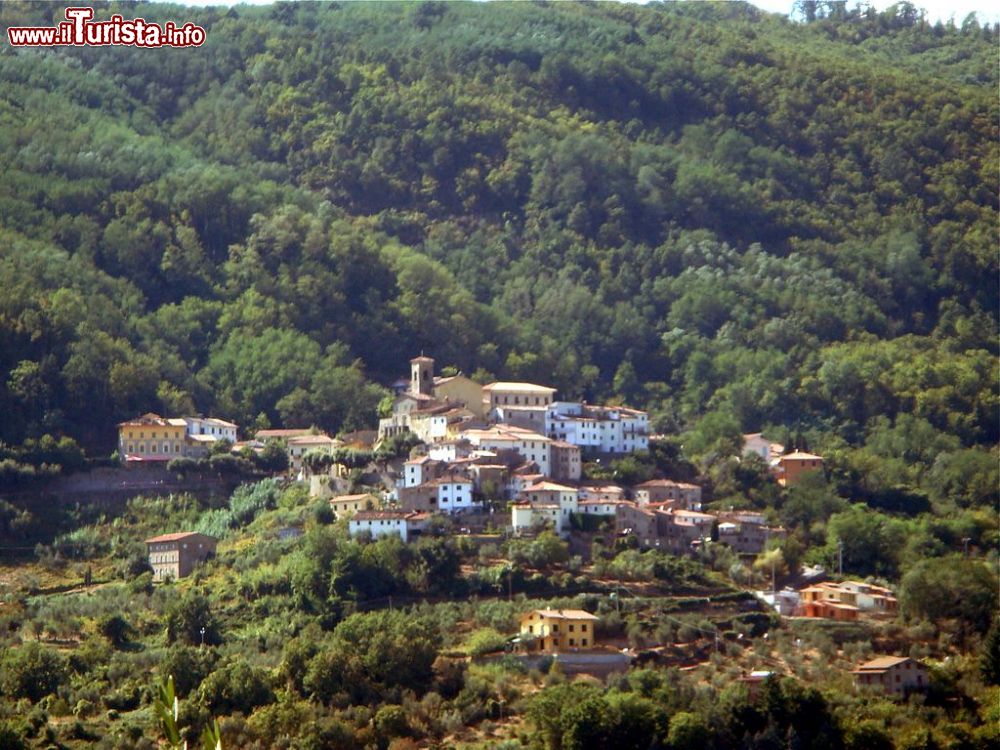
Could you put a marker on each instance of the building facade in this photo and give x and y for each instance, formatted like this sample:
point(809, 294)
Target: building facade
point(558, 629)
point(175, 555)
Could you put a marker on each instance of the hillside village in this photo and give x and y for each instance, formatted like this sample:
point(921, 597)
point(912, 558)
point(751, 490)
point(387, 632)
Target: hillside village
point(506, 458)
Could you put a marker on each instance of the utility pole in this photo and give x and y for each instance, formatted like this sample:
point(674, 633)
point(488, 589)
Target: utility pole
point(840, 558)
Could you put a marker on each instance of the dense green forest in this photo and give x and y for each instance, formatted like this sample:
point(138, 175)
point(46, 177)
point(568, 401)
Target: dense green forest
point(699, 209)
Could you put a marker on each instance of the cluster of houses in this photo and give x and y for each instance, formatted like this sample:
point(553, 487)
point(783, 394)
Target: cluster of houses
point(572, 630)
point(847, 600)
point(513, 441)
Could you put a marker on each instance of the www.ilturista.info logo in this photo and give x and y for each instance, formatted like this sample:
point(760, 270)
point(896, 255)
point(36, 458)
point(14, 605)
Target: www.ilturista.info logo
point(79, 31)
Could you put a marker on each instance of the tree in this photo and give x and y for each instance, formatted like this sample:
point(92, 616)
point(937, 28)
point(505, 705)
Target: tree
point(115, 628)
point(989, 659)
point(31, 672)
point(688, 731)
point(951, 588)
point(190, 619)
point(236, 686)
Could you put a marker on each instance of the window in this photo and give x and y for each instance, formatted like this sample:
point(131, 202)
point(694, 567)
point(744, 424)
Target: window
point(154, 447)
point(555, 628)
point(571, 642)
point(571, 628)
point(583, 628)
point(583, 641)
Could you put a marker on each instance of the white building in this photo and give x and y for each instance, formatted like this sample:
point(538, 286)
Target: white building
point(531, 446)
point(454, 493)
point(527, 517)
point(598, 429)
point(385, 522)
point(217, 429)
point(600, 507)
point(449, 450)
point(755, 442)
point(419, 470)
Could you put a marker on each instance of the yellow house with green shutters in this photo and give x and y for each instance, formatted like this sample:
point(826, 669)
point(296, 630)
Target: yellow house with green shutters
point(151, 438)
point(558, 629)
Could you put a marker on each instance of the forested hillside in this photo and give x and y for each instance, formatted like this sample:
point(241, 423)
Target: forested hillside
point(731, 219)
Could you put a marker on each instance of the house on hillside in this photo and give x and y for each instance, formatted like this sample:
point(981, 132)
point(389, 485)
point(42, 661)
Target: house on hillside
point(152, 438)
point(404, 524)
point(894, 675)
point(682, 494)
point(516, 394)
point(300, 445)
point(756, 443)
point(459, 389)
point(558, 629)
point(790, 469)
point(344, 505)
point(175, 555)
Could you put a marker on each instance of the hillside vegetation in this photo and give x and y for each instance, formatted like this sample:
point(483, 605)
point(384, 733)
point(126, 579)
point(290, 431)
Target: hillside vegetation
point(699, 209)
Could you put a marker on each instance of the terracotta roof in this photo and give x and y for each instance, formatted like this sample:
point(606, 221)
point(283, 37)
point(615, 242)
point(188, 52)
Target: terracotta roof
point(565, 614)
point(881, 664)
point(667, 483)
point(422, 358)
point(265, 434)
point(564, 444)
point(382, 515)
point(146, 419)
point(174, 537)
point(312, 440)
point(450, 479)
point(545, 486)
point(350, 498)
point(800, 456)
point(519, 387)
point(214, 421)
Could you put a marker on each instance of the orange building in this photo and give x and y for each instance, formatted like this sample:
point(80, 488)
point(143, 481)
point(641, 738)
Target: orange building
point(791, 468)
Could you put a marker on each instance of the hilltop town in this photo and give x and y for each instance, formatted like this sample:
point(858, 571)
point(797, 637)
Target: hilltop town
point(504, 458)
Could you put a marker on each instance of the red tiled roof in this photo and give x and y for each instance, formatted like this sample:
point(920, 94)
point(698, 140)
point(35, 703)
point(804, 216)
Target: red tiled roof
point(176, 536)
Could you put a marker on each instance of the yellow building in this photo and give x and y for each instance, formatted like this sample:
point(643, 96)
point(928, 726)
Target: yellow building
point(151, 438)
point(559, 629)
point(516, 394)
point(459, 389)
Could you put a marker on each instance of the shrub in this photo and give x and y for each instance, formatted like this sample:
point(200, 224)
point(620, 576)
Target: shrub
point(235, 687)
point(484, 641)
point(31, 672)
